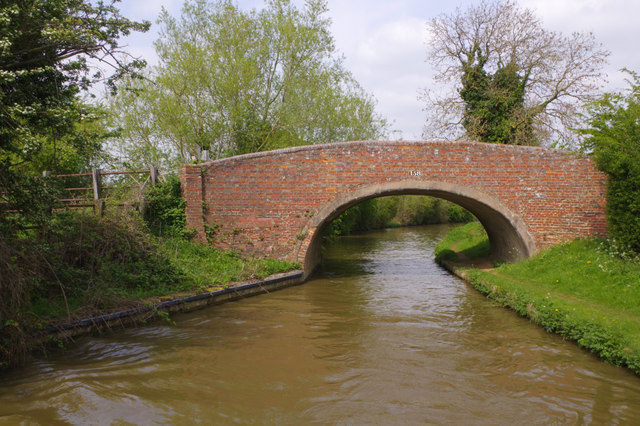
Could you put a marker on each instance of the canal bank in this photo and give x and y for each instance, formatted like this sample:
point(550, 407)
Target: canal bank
point(609, 332)
point(379, 334)
point(581, 290)
point(153, 309)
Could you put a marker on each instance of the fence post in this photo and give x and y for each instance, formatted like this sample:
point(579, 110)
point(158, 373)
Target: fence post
point(46, 174)
point(98, 205)
point(153, 173)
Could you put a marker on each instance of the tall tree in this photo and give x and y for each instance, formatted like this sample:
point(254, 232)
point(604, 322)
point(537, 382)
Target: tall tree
point(515, 82)
point(44, 50)
point(235, 81)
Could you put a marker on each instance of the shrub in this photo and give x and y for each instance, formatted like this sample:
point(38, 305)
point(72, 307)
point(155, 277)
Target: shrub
point(614, 140)
point(165, 209)
point(78, 261)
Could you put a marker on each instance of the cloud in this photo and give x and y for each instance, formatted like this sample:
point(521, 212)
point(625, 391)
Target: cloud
point(388, 61)
point(383, 41)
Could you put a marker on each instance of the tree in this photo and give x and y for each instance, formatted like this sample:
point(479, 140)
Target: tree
point(515, 82)
point(613, 138)
point(45, 46)
point(233, 82)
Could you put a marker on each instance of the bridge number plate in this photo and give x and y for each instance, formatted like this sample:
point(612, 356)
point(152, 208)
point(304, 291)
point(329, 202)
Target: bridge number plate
point(415, 173)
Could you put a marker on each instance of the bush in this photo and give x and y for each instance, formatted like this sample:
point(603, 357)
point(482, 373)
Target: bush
point(165, 209)
point(457, 214)
point(93, 263)
point(614, 140)
point(76, 266)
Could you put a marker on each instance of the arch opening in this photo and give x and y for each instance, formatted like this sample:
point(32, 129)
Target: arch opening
point(509, 238)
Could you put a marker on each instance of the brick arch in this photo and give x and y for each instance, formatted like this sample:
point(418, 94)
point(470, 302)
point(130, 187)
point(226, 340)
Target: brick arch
point(510, 240)
point(275, 203)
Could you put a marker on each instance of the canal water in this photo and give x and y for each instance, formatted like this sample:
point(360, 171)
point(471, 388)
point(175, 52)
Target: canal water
point(380, 335)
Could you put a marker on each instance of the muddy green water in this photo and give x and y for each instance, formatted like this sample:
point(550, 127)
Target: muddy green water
point(381, 335)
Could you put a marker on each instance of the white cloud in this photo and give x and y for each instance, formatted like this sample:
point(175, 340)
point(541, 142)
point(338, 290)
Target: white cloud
point(388, 61)
point(393, 41)
point(384, 41)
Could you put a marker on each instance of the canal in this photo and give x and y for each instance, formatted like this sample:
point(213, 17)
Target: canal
point(380, 335)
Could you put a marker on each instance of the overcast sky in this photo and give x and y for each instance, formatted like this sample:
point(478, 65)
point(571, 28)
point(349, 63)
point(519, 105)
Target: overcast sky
point(384, 42)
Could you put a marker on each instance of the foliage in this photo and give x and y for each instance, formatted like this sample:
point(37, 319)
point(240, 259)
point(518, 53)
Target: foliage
point(78, 263)
point(601, 313)
point(164, 213)
point(613, 137)
point(515, 82)
point(458, 214)
point(494, 110)
point(368, 215)
point(397, 210)
point(83, 266)
point(417, 210)
point(233, 82)
point(44, 47)
point(92, 262)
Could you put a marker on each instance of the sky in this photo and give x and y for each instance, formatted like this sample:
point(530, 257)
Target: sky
point(384, 43)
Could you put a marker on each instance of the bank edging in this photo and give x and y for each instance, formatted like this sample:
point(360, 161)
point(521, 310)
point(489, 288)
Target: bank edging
point(145, 312)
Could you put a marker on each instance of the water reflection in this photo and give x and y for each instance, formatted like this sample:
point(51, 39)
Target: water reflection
point(381, 335)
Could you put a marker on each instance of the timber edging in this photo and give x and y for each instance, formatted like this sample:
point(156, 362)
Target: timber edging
point(146, 312)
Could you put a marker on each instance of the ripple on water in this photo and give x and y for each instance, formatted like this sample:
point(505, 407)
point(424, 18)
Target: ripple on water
point(380, 336)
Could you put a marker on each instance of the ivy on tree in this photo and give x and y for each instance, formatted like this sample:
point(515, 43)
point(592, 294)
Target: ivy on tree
point(514, 82)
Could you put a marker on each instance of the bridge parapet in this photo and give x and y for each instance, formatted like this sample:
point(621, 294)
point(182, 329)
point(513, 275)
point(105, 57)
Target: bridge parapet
point(276, 203)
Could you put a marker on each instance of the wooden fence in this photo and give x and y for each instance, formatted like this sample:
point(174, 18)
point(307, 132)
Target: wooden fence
point(97, 200)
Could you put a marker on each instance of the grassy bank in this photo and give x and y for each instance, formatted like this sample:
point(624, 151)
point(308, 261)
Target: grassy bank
point(469, 241)
point(582, 290)
point(81, 266)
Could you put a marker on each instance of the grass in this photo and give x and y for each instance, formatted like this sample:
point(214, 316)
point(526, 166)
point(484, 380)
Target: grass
point(189, 267)
point(581, 290)
point(204, 266)
point(468, 240)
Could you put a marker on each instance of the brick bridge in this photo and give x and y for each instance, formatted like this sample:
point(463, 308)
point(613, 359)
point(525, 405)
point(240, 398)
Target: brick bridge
point(277, 203)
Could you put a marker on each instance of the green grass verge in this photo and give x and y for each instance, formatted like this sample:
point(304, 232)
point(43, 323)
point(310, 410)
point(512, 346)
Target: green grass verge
point(190, 267)
point(581, 290)
point(471, 240)
point(204, 266)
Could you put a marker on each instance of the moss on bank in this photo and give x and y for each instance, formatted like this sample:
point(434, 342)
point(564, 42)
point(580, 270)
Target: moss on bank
point(581, 290)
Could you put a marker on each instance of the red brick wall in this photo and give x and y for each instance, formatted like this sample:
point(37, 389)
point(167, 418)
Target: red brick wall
point(264, 204)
